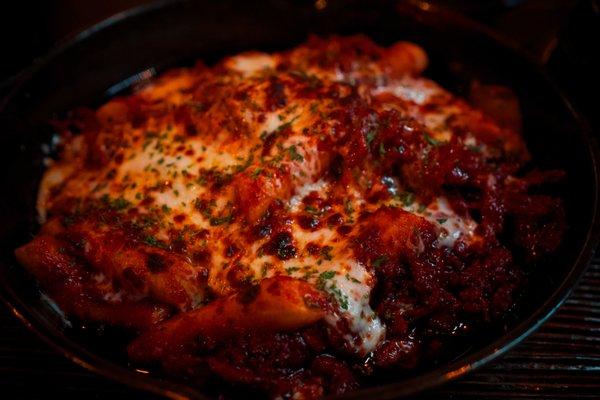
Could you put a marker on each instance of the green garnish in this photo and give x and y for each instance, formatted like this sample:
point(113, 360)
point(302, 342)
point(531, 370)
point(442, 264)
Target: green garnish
point(294, 155)
point(291, 270)
point(117, 204)
point(287, 124)
point(312, 210)
point(152, 241)
point(348, 207)
point(327, 275)
point(432, 141)
point(215, 221)
point(406, 198)
point(370, 136)
point(378, 261)
point(254, 174)
point(326, 252)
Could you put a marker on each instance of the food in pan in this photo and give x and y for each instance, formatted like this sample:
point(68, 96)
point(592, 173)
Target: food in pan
point(293, 222)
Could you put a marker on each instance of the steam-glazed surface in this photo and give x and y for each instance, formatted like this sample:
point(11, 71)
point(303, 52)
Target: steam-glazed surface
point(291, 221)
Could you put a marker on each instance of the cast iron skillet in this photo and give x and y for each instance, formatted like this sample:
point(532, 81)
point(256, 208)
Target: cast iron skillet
point(132, 45)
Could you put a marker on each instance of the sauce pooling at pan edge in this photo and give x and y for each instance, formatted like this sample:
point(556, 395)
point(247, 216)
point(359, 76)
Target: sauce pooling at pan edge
point(292, 222)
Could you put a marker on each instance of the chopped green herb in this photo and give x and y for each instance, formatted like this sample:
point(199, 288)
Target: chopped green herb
point(370, 136)
point(442, 220)
point(291, 109)
point(322, 284)
point(287, 124)
point(327, 275)
point(254, 174)
point(265, 269)
point(117, 204)
point(312, 210)
point(348, 207)
point(276, 160)
point(294, 155)
point(291, 270)
point(406, 198)
point(309, 272)
point(214, 221)
point(341, 298)
point(152, 241)
point(120, 204)
point(378, 261)
point(326, 252)
point(473, 148)
point(246, 164)
point(432, 141)
point(312, 80)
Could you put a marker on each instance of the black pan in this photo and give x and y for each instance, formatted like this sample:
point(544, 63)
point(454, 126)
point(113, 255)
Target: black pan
point(130, 46)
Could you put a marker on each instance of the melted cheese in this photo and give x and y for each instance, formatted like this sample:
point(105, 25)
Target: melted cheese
point(160, 161)
point(251, 63)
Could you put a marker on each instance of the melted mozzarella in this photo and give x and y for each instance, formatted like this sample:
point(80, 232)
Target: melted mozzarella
point(251, 63)
point(350, 285)
point(418, 91)
point(452, 225)
point(169, 169)
point(319, 186)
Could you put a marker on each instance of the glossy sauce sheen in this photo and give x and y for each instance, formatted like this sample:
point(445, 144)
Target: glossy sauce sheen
point(332, 171)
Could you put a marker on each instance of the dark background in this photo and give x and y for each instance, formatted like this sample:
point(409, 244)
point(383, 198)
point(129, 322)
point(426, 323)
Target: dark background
point(564, 34)
point(562, 360)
